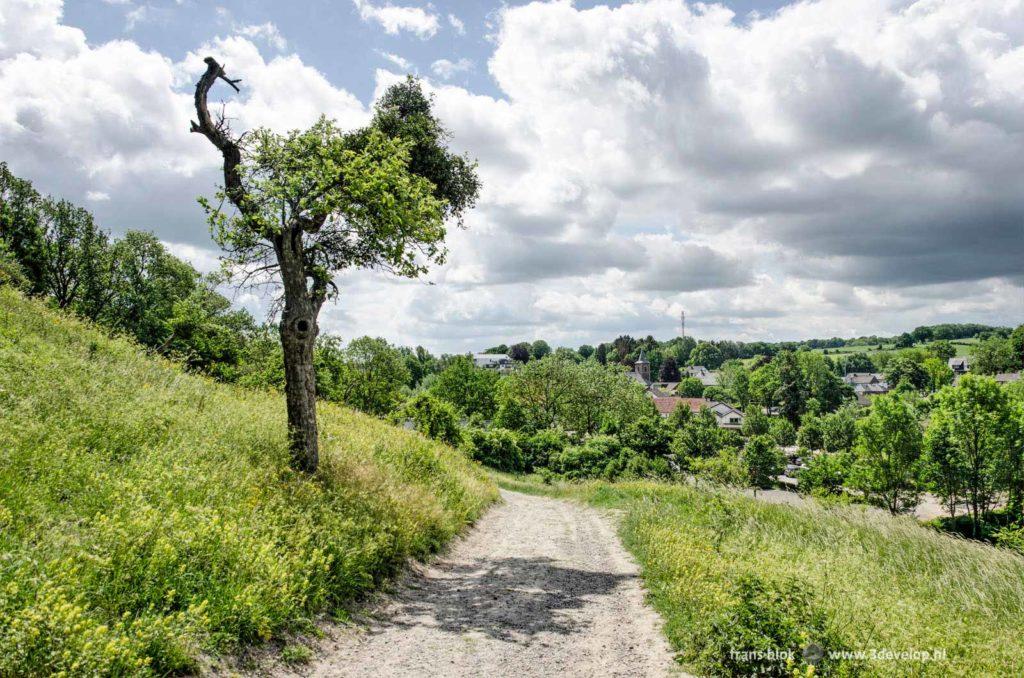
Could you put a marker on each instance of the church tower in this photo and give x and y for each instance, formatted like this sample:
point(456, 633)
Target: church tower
point(682, 323)
point(643, 368)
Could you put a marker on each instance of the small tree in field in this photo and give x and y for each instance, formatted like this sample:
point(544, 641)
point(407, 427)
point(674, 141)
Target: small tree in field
point(309, 204)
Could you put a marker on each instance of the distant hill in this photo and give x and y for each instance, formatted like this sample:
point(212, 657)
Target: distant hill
point(148, 517)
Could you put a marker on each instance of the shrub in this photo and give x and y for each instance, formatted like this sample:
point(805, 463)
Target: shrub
point(11, 272)
point(763, 461)
point(768, 629)
point(591, 459)
point(1011, 537)
point(783, 431)
point(725, 468)
point(539, 448)
point(825, 474)
point(432, 417)
point(496, 448)
point(756, 423)
point(690, 387)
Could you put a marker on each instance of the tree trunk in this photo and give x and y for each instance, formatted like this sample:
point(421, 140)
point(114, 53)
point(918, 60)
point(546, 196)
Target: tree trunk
point(298, 339)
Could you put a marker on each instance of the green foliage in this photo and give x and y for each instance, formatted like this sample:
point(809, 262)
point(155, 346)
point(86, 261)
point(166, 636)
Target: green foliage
point(700, 437)
point(783, 432)
point(972, 432)
point(148, 516)
point(839, 430)
point(825, 474)
point(905, 370)
point(432, 417)
point(578, 397)
point(134, 285)
point(756, 423)
point(765, 385)
point(369, 375)
point(735, 379)
point(791, 392)
point(762, 620)
point(887, 456)
point(647, 435)
point(467, 387)
point(708, 355)
point(496, 448)
point(296, 654)
point(598, 457)
point(811, 433)
point(539, 349)
point(943, 350)
point(1017, 346)
point(993, 356)
point(541, 447)
point(763, 461)
point(1011, 537)
point(690, 387)
point(859, 362)
point(725, 468)
point(939, 373)
point(11, 272)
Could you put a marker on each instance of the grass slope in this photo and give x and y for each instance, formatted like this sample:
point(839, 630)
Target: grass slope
point(148, 516)
point(878, 582)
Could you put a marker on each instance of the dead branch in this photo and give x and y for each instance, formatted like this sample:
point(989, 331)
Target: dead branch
point(219, 135)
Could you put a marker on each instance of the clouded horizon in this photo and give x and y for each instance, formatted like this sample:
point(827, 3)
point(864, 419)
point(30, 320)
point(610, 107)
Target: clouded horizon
point(778, 171)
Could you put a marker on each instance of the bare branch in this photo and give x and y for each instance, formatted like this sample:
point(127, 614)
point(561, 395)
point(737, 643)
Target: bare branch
point(218, 134)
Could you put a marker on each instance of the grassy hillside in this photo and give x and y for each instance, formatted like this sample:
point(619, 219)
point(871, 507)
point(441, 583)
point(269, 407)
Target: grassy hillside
point(148, 516)
point(729, 572)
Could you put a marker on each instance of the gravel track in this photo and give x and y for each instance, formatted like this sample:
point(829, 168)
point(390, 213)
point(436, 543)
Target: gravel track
point(540, 587)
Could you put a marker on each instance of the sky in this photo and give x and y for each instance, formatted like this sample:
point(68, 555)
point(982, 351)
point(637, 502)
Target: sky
point(778, 171)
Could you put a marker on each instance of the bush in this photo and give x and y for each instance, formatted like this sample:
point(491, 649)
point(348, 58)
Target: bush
point(825, 474)
point(783, 431)
point(432, 417)
point(763, 461)
point(768, 629)
point(725, 468)
point(592, 459)
point(756, 423)
point(539, 448)
point(496, 448)
point(11, 272)
point(1011, 537)
point(690, 387)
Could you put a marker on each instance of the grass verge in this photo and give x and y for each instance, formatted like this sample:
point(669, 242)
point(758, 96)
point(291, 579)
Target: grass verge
point(728, 572)
point(148, 516)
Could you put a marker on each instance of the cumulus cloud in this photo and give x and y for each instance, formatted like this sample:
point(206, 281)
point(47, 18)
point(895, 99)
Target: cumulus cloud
point(857, 169)
point(395, 19)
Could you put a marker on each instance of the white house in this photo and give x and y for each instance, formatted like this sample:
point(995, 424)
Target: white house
point(493, 361)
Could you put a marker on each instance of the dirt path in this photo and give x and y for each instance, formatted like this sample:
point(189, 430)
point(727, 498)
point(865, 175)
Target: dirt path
point(539, 587)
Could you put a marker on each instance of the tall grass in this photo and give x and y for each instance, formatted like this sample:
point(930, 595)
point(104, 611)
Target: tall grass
point(148, 516)
point(882, 583)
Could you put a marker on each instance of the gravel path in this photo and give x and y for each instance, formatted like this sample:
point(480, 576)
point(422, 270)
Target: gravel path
point(539, 587)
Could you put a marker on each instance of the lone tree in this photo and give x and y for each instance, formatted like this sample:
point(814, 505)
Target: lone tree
point(297, 208)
